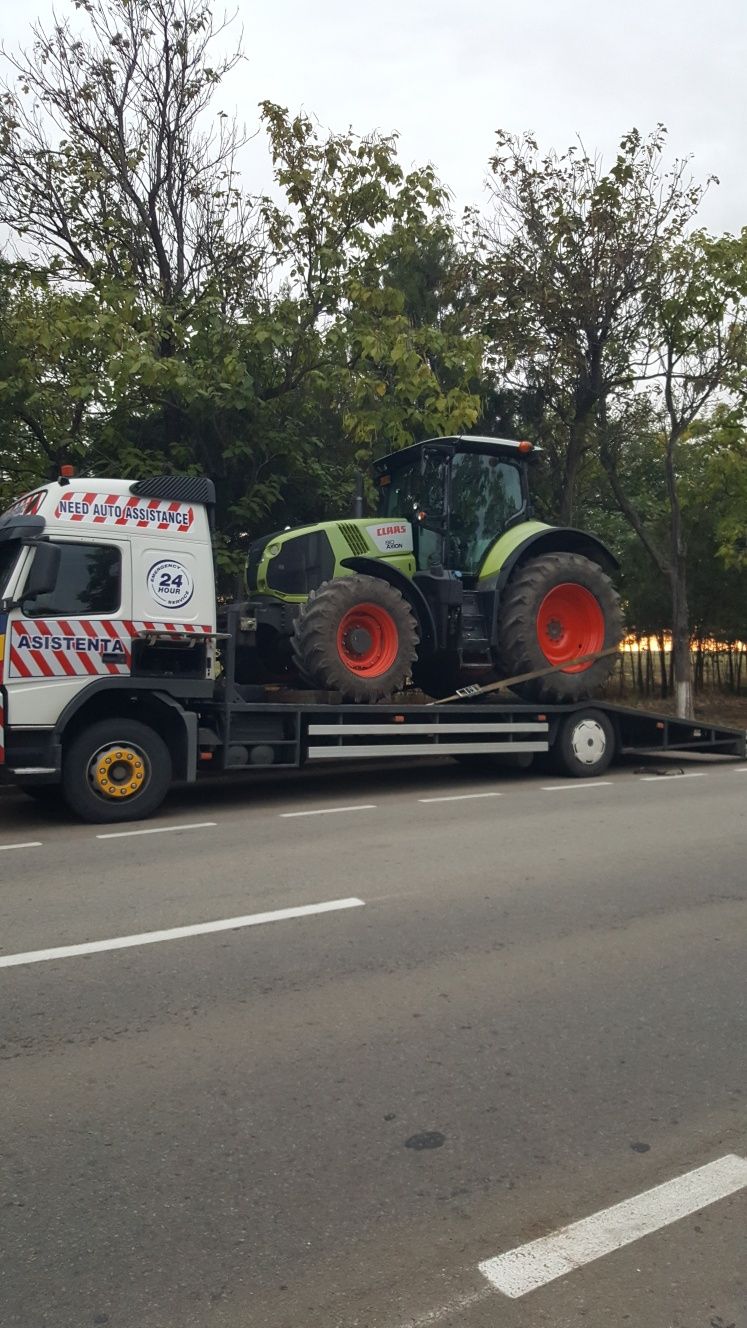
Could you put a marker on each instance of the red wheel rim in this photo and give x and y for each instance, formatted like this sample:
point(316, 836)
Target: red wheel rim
point(368, 640)
point(570, 623)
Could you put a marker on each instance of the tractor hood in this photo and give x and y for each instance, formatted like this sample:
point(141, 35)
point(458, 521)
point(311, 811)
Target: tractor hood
point(291, 563)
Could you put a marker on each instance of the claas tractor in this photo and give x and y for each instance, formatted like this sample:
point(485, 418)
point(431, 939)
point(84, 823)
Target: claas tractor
point(452, 581)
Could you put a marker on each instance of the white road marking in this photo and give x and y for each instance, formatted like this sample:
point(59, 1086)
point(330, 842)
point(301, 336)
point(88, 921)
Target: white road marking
point(177, 933)
point(157, 830)
point(31, 843)
point(530, 1266)
point(329, 811)
point(578, 784)
point(666, 779)
point(453, 1307)
point(741, 770)
point(461, 797)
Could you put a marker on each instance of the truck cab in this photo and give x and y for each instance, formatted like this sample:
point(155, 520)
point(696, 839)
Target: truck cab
point(107, 603)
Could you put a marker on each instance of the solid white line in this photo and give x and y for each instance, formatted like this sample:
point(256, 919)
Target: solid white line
point(157, 830)
point(31, 843)
point(177, 933)
point(531, 1266)
point(579, 784)
point(328, 811)
point(461, 797)
point(666, 779)
point(741, 770)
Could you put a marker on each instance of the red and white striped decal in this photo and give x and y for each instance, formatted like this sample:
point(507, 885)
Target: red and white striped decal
point(78, 647)
point(112, 509)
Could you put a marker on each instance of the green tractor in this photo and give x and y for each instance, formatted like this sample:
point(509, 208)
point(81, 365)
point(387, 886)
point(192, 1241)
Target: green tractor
point(452, 580)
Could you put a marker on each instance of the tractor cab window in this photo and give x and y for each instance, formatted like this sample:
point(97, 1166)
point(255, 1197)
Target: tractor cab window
point(486, 495)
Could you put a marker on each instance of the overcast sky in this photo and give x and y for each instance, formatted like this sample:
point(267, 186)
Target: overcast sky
point(446, 73)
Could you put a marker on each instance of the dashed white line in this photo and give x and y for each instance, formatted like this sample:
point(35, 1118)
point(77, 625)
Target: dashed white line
point(530, 1266)
point(741, 770)
point(667, 779)
point(177, 933)
point(578, 784)
point(30, 843)
point(157, 830)
point(460, 797)
point(330, 811)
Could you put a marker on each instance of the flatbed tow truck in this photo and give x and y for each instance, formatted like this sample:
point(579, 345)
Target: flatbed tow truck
point(119, 678)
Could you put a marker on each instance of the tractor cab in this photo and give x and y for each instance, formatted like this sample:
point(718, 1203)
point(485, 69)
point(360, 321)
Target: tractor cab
point(460, 494)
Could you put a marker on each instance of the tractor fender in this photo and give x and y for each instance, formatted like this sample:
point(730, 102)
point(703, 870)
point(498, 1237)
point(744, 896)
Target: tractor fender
point(500, 563)
point(414, 596)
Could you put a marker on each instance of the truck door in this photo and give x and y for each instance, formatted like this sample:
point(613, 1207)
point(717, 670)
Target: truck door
point(80, 630)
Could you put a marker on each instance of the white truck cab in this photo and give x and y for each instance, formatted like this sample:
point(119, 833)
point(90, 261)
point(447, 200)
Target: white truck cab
point(107, 603)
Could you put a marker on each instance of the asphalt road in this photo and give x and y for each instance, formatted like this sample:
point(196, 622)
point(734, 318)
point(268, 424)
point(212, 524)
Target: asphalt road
point(535, 1012)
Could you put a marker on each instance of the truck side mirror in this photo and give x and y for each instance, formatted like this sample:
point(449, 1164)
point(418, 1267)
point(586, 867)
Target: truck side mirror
point(43, 575)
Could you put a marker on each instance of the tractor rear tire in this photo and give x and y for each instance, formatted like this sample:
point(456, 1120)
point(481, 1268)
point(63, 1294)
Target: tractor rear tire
point(358, 636)
point(557, 608)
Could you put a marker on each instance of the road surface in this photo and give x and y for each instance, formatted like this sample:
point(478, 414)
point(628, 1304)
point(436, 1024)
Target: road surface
point(521, 1007)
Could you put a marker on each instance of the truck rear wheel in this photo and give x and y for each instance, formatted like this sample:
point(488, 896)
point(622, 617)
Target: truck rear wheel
point(585, 744)
point(555, 609)
point(358, 636)
point(116, 770)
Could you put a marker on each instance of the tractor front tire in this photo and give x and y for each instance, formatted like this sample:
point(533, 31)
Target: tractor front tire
point(555, 609)
point(358, 636)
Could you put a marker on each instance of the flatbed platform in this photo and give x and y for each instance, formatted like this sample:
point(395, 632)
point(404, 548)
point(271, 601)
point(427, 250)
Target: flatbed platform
point(585, 736)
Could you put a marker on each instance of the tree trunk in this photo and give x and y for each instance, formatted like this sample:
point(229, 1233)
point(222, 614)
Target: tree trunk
point(683, 672)
point(571, 469)
point(662, 666)
point(681, 656)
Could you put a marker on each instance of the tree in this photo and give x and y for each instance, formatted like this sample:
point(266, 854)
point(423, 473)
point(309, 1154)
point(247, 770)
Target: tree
point(253, 338)
point(568, 280)
point(106, 160)
point(697, 357)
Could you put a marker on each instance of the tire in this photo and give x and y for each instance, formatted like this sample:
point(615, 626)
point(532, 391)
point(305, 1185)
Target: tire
point(96, 796)
point(585, 744)
point(555, 608)
point(356, 635)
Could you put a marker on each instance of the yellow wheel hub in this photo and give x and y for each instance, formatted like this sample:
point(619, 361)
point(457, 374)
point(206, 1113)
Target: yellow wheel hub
point(118, 772)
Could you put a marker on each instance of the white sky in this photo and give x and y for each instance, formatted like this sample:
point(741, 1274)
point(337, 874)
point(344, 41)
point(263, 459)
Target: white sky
point(445, 74)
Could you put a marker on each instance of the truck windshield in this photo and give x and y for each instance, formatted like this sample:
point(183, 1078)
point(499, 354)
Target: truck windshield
point(9, 551)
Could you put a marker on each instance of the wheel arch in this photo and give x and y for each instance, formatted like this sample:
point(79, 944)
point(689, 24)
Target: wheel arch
point(409, 591)
point(553, 539)
point(163, 713)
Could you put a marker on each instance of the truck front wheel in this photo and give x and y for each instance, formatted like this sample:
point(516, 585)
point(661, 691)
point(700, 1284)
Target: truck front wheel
point(116, 770)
